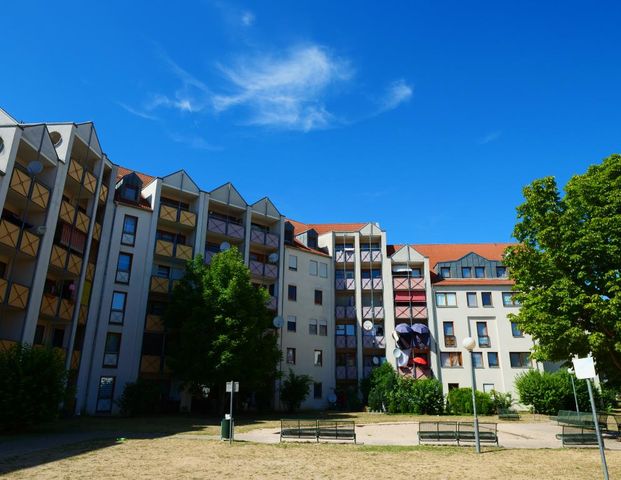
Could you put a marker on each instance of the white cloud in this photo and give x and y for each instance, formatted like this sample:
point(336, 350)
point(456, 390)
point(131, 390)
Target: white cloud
point(397, 93)
point(286, 91)
point(247, 18)
point(193, 141)
point(137, 112)
point(490, 137)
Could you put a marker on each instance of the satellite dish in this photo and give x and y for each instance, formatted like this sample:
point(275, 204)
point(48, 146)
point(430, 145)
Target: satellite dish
point(224, 246)
point(375, 360)
point(35, 167)
point(278, 321)
point(56, 138)
point(1, 144)
point(332, 398)
point(273, 257)
point(397, 352)
point(403, 360)
point(40, 230)
point(395, 336)
point(368, 325)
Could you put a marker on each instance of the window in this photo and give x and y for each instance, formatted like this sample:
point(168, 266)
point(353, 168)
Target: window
point(129, 193)
point(292, 323)
point(445, 272)
point(318, 358)
point(515, 330)
point(501, 272)
point(449, 335)
point(323, 328)
point(323, 270)
point(312, 268)
point(130, 224)
point(492, 359)
point(39, 333)
point(292, 293)
point(105, 393)
point(417, 273)
point(508, 299)
point(317, 390)
point(162, 271)
point(112, 348)
point(451, 359)
point(446, 299)
point(477, 359)
point(312, 326)
point(117, 310)
point(291, 356)
point(318, 297)
point(486, 299)
point(488, 387)
point(484, 341)
point(479, 272)
point(57, 337)
point(472, 299)
point(123, 268)
point(3, 267)
point(519, 359)
point(466, 272)
point(293, 262)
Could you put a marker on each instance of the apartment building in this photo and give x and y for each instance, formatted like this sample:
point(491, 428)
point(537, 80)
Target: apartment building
point(90, 252)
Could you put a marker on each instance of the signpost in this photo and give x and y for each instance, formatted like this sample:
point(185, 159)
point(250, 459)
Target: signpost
point(231, 387)
point(585, 369)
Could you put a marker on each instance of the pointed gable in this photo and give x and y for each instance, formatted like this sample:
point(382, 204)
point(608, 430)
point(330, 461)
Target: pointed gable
point(38, 137)
point(181, 181)
point(266, 208)
point(228, 195)
point(88, 134)
point(370, 229)
point(407, 254)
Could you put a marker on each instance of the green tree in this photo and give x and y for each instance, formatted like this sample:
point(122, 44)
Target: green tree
point(567, 267)
point(220, 328)
point(294, 390)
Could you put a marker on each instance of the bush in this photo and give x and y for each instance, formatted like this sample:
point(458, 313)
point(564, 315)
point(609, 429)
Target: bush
point(500, 401)
point(143, 397)
point(32, 385)
point(459, 402)
point(421, 397)
point(381, 382)
point(294, 390)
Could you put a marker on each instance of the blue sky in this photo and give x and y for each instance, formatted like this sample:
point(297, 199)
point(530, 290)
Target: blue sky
point(426, 116)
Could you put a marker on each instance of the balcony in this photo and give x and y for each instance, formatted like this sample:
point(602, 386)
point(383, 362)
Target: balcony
point(372, 284)
point(68, 214)
point(484, 341)
point(17, 296)
point(345, 312)
point(344, 256)
point(408, 283)
point(9, 236)
point(178, 216)
point(165, 248)
point(373, 341)
point(150, 364)
point(54, 306)
point(162, 285)
point(372, 312)
point(410, 312)
point(26, 187)
point(90, 271)
point(272, 303)
point(345, 341)
point(450, 341)
point(82, 176)
point(346, 373)
point(103, 194)
point(226, 228)
point(266, 270)
point(97, 231)
point(371, 256)
point(264, 238)
point(345, 284)
point(154, 323)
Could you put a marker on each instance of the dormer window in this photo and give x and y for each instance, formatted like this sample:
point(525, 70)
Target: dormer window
point(129, 188)
point(129, 193)
point(289, 233)
point(311, 235)
point(445, 272)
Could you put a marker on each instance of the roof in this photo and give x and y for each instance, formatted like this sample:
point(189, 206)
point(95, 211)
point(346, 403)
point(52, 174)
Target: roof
point(300, 246)
point(471, 281)
point(298, 227)
point(122, 171)
point(322, 228)
point(454, 251)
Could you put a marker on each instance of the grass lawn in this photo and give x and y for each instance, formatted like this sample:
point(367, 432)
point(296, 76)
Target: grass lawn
point(179, 458)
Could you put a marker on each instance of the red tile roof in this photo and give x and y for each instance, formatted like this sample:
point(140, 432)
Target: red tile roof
point(146, 179)
point(322, 228)
point(298, 227)
point(472, 281)
point(299, 245)
point(450, 252)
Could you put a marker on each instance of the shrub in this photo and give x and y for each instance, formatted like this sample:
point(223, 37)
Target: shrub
point(500, 401)
point(381, 382)
point(143, 397)
point(421, 397)
point(294, 389)
point(459, 402)
point(32, 385)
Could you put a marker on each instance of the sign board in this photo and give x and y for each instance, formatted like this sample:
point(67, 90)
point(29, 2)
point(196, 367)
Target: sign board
point(232, 387)
point(584, 367)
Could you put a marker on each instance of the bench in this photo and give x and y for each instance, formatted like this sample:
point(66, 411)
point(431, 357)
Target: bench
point(572, 435)
point(488, 432)
point(336, 430)
point(581, 419)
point(300, 429)
point(617, 419)
point(508, 414)
point(440, 432)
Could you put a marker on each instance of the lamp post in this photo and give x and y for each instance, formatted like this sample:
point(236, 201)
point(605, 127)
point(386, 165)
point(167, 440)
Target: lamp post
point(469, 344)
point(573, 386)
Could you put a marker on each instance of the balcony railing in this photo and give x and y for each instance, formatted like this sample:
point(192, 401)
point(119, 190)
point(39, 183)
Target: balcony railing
point(450, 341)
point(410, 312)
point(372, 312)
point(408, 283)
point(97, 231)
point(343, 312)
point(90, 271)
point(372, 284)
point(484, 341)
point(373, 341)
point(264, 238)
point(162, 284)
point(272, 303)
point(345, 284)
point(371, 256)
point(80, 175)
point(344, 256)
point(224, 227)
point(260, 269)
point(54, 306)
point(165, 248)
point(178, 215)
point(17, 295)
point(345, 341)
point(346, 373)
point(103, 193)
point(154, 323)
point(150, 364)
point(68, 214)
point(9, 235)
point(23, 184)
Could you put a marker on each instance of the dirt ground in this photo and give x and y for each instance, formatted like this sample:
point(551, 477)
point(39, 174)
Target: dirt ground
point(179, 458)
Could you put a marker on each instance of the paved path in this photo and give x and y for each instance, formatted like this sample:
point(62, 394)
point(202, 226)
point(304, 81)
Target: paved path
point(510, 435)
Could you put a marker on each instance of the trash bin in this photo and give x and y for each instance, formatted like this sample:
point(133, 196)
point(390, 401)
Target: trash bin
point(225, 429)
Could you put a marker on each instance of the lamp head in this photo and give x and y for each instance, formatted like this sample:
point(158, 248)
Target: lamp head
point(469, 343)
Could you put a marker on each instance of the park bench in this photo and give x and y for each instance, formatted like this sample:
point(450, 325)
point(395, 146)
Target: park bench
point(508, 414)
point(440, 432)
point(581, 419)
point(617, 419)
point(488, 432)
point(572, 435)
point(336, 430)
point(296, 428)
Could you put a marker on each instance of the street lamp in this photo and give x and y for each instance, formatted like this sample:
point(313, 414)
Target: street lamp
point(469, 343)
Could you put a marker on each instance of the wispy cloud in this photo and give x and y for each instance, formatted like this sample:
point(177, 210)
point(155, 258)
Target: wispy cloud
point(247, 18)
point(285, 91)
point(490, 137)
point(137, 112)
point(193, 141)
point(397, 93)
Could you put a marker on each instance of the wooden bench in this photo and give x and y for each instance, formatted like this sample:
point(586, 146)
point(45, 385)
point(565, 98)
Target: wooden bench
point(581, 419)
point(572, 435)
point(336, 430)
point(488, 432)
point(296, 428)
point(508, 414)
point(456, 432)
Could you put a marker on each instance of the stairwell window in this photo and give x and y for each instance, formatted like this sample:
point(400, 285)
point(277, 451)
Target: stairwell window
point(318, 358)
point(318, 297)
point(112, 348)
point(292, 322)
point(292, 293)
point(291, 356)
point(105, 394)
point(123, 268)
point(117, 310)
point(130, 224)
point(293, 262)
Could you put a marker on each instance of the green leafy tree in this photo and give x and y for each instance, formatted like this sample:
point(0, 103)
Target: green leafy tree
point(294, 390)
point(567, 267)
point(220, 328)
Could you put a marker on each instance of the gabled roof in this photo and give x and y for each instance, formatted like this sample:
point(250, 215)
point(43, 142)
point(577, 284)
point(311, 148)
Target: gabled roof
point(122, 171)
point(265, 207)
point(229, 195)
point(298, 227)
point(322, 228)
point(451, 252)
point(300, 246)
point(180, 180)
point(407, 254)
